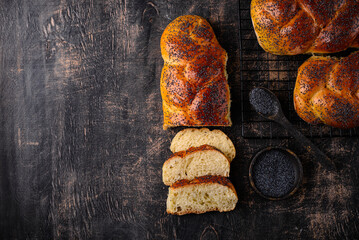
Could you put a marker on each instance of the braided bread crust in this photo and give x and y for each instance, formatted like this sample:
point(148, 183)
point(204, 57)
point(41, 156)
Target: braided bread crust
point(327, 91)
point(194, 84)
point(290, 27)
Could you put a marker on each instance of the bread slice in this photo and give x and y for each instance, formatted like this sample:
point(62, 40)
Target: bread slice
point(203, 194)
point(193, 137)
point(195, 162)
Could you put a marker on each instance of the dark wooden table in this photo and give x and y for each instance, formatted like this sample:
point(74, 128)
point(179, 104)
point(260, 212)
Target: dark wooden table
point(81, 139)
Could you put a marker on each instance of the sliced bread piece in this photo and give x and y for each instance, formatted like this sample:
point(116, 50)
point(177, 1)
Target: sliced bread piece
point(193, 137)
point(195, 162)
point(203, 194)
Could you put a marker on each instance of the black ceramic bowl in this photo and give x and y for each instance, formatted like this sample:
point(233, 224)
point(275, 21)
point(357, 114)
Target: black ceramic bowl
point(288, 175)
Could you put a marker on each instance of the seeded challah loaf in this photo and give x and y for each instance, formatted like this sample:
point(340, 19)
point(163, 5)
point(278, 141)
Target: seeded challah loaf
point(195, 162)
point(194, 84)
point(203, 194)
point(289, 27)
point(327, 91)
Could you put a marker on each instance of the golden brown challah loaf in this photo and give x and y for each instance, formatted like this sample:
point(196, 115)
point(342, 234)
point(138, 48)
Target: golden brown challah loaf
point(194, 84)
point(289, 27)
point(327, 91)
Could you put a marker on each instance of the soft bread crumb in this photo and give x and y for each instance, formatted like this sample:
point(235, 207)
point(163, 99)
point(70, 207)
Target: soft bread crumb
point(195, 162)
point(200, 198)
point(193, 137)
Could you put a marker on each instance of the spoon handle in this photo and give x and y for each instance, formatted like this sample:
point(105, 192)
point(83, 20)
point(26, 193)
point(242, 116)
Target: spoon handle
point(308, 145)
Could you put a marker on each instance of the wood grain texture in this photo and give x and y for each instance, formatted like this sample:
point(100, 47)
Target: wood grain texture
point(81, 139)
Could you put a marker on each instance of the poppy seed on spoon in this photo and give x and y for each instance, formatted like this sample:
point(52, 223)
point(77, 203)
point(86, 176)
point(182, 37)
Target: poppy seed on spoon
point(263, 102)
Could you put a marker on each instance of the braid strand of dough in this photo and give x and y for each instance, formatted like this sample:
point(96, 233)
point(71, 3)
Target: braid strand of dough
point(327, 91)
point(290, 27)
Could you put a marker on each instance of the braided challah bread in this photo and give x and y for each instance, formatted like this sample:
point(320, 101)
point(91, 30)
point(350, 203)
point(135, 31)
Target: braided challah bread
point(327, 91)
point(194, 84)
point(290, 27)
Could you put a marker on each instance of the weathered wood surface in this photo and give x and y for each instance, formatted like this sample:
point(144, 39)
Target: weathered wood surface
point(81, 139)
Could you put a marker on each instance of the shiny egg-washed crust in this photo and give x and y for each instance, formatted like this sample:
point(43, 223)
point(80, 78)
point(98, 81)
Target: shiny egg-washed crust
point(327, 91)
point(205, 147)
point(290, 27)
point(205, 180)
point(194, 84)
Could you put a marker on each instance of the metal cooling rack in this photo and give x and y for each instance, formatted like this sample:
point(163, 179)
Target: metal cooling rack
point(277, 73)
